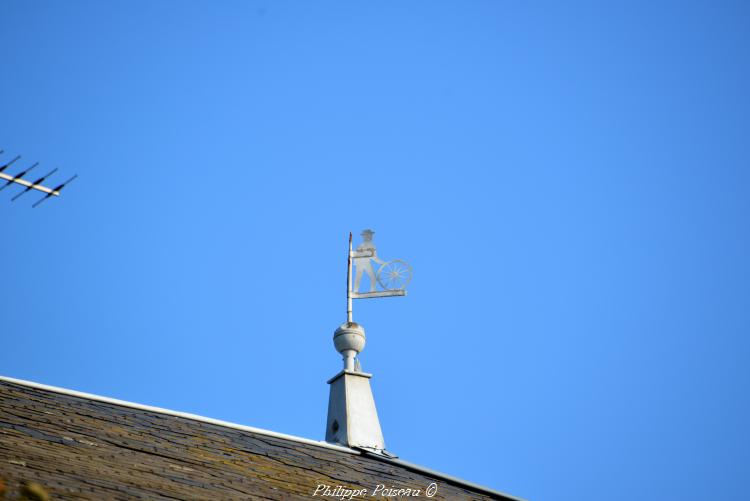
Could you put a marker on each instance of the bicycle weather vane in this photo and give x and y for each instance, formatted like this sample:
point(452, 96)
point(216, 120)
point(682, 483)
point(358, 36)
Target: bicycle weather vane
point(392, 276)
point(35, 185)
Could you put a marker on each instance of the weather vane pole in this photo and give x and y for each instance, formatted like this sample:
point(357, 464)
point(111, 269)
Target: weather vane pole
point(392, 276)
point(349, 282)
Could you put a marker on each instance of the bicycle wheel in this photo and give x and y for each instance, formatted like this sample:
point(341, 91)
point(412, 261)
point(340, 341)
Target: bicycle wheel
point(394, 275)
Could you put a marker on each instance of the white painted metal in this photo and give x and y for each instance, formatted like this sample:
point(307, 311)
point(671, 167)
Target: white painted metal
point(349, 282)
point(352, 416)
point(364, 255)
point(392, 276)
point(28, 184)
point(349, 340)
point(366, 295)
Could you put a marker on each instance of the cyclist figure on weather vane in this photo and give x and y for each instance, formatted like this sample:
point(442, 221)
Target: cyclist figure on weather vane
point(362, 255)
point(392, 276)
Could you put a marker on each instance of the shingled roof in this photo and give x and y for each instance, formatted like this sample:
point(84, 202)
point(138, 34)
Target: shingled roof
point(80, 446)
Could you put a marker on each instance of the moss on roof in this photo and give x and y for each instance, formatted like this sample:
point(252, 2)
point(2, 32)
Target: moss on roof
point(79, 448)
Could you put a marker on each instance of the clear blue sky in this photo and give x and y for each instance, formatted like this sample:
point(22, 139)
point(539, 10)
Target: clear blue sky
point(569, 180)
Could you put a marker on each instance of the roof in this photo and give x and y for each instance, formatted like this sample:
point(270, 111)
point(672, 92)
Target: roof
point(82, 446)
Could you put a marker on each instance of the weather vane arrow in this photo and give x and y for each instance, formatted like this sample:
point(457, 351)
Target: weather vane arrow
point(391, 276)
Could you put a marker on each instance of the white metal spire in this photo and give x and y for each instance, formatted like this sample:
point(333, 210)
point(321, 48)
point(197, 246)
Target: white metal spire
point(352, 416)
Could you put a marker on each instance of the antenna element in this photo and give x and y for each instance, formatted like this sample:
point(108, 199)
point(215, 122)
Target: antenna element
point(36, 185)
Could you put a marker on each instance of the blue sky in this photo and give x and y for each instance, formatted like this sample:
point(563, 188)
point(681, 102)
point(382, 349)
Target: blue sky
point(569, 181)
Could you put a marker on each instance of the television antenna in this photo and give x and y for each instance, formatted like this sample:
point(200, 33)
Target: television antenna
point(30, 185)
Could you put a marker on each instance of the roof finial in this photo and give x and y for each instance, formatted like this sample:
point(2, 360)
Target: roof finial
point(352, 418)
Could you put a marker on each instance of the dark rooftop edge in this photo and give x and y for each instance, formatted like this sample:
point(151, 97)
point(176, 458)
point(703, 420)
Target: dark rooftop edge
point(227, 424)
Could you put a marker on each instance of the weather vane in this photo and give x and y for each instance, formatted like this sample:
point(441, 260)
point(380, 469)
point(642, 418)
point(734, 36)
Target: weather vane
point(36, 185)
point(392, 276)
